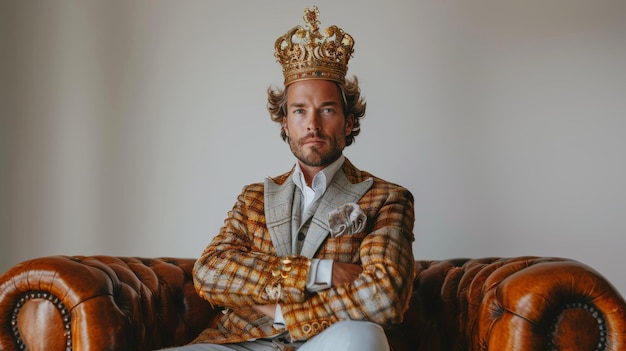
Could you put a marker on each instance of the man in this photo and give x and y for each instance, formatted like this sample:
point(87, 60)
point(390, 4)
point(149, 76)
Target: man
point(318, 258)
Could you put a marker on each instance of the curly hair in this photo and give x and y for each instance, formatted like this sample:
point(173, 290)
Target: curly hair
point(352, 103)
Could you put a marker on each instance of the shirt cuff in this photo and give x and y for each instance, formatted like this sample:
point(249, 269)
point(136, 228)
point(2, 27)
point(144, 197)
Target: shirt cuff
point(320, 275)
point(279, 321)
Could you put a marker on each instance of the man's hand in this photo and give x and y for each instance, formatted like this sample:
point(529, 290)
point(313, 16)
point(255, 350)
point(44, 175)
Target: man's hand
point(345, 273)
point(268, 310)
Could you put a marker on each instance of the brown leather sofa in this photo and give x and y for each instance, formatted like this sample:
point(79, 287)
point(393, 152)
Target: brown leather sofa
point(120, 303)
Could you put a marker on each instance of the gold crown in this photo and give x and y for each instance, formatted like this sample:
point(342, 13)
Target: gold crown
point(307, 54)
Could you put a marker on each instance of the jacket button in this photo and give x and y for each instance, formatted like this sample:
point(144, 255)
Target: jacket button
point(301, 236)
point(306, 329)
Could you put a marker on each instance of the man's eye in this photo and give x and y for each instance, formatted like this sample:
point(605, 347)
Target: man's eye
point(298, 111)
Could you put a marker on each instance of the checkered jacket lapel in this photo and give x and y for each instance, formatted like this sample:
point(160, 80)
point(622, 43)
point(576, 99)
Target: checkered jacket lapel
point(339, 192)
point(279, 200)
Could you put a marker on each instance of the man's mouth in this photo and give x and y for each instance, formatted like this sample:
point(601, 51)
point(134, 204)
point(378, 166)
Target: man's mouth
point(315, 141)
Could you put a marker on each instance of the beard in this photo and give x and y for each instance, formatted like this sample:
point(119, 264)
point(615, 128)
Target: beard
point(318, 155)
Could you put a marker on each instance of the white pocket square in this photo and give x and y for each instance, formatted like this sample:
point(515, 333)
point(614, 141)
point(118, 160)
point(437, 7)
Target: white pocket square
point(348, 219)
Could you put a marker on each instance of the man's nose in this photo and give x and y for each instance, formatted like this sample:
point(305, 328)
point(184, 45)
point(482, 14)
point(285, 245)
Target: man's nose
point(314, 121)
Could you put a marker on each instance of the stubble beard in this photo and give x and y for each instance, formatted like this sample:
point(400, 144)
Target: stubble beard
point(315, 157)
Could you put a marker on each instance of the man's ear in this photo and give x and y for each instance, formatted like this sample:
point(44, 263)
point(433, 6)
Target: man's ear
point(349, 123)
point(285, 126)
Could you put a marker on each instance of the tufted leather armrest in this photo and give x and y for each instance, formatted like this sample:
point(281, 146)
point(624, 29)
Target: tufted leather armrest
point(100, 303)
point(523, 303)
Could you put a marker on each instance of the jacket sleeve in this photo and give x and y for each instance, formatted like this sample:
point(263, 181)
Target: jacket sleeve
point(381, 293)
point(240, 267)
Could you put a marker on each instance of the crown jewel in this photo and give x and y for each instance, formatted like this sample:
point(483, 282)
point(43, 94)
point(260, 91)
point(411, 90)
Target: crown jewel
point(307, 54)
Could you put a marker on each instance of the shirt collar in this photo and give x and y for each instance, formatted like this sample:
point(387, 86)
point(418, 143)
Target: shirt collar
point(321, 179)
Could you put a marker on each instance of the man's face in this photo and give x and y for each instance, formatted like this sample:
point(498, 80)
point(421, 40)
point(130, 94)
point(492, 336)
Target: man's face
point(315, 122)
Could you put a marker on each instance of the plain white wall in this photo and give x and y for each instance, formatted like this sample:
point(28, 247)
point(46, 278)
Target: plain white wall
point(128, 127)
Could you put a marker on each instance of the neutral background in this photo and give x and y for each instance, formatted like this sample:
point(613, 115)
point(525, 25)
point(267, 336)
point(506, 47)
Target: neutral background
point(129, 127)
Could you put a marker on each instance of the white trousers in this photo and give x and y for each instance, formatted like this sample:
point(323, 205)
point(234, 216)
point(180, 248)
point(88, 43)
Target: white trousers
point(344, 336)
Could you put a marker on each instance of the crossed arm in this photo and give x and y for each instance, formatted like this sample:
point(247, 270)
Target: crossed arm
point(343, 273)
point(235, 270)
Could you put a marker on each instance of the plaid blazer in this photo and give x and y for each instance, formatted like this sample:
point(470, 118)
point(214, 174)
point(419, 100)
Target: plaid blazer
point(250, 261)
